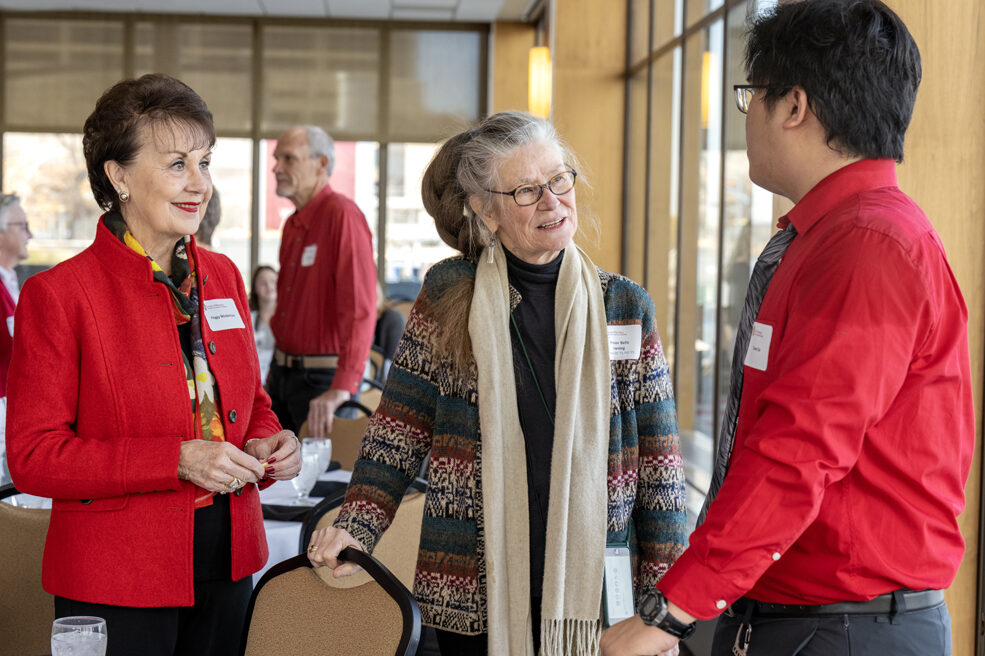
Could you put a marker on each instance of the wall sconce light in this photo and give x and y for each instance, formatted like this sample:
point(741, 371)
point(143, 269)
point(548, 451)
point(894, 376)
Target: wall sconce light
point(539, 91)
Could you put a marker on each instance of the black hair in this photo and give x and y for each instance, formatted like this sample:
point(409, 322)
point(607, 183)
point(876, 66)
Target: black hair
point(856, 61)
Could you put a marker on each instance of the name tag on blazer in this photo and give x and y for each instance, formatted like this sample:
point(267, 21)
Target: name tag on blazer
point(221, 313)
point(625, 342)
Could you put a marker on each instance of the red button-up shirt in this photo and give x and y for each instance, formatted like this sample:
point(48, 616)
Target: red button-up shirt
point(855, 440)
point(326, 289)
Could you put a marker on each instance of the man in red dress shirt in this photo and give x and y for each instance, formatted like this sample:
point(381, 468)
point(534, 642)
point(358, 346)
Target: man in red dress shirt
point(326, 288)
point(836, 527)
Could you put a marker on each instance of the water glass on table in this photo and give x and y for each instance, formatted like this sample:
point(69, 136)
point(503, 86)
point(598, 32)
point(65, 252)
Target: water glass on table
point(78, 636)
point(311, 455)
point(324, 445)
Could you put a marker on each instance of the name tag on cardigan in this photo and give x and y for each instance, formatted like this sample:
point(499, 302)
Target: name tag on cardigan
point(308, 255)
point(758, 355)
point(221, 313)
point(625, 342)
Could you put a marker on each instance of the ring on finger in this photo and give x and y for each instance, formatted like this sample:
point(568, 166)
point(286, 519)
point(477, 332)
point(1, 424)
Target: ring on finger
point(235, 484)
point(313, 548)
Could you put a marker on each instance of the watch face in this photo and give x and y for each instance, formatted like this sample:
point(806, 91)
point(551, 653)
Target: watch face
point(648, 607)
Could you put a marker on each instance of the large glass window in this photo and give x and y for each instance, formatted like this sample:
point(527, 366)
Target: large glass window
point(704, 221)
point(412, 242)
point(377, 87)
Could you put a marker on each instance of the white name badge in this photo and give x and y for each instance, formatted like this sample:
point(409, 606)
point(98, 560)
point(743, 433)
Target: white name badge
point(10, 326)
point(618, 585)
point(758, 355)
point(221, 313)
point(625, 342)
point(308, 255)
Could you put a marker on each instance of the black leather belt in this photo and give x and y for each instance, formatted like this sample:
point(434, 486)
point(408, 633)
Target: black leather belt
point(881, 605)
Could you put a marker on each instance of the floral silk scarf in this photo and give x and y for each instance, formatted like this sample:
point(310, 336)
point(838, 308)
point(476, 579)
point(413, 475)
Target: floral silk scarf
point(182, 284)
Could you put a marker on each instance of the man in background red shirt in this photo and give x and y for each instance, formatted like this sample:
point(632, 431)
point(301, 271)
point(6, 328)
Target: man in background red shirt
point(836, 527)
point(326, 288)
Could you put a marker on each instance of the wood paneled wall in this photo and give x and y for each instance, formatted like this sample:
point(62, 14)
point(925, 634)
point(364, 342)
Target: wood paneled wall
point(511, 43)
point(589, 54)
point(944, 171)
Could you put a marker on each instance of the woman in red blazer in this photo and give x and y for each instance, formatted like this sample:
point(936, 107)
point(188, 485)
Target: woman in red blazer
point(135, 398)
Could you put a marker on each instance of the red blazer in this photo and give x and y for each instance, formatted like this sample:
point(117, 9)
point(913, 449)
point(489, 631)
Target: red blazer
point(97, 413)
point(7, 306)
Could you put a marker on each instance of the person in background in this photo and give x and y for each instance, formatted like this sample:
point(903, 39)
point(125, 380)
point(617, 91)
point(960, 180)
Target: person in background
point(263, 303)
point(213, 212)
point(14, 235)
point(547, 440)
point(135, 396)
point(836, 528)
point(326, 288)
point(389, 328)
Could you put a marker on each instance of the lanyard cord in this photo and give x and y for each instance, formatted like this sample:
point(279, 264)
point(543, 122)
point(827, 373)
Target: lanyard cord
point(523, 347)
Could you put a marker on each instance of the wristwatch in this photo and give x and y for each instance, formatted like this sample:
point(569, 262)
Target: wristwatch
point(653, 610)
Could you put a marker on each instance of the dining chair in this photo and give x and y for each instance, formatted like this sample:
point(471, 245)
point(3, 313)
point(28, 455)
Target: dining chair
point(398, 547)
point(376, 362)
point(347, 434)
point(26, 610)
point(296, 612)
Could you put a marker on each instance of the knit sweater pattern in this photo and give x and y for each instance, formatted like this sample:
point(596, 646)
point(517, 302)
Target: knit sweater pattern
point(430, 410)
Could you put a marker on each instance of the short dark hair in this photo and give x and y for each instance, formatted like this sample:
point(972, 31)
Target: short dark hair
point(111, 133)
point(856, 61)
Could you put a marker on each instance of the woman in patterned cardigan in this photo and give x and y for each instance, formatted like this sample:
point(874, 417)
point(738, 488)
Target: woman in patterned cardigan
point(518, 359)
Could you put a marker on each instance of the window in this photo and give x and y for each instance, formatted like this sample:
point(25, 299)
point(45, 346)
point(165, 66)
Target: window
point(694, 240)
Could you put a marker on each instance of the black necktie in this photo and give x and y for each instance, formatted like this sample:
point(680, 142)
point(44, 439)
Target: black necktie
point(762, 273)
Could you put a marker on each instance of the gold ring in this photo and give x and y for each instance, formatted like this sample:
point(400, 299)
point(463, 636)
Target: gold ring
point(236, 484)
point(313, 548)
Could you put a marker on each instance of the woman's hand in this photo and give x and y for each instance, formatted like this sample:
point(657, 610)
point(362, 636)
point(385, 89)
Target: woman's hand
point(279, 455)
point(217, 466)
point(324, 548)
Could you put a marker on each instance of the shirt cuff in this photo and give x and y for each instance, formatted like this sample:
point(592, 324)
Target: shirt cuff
point(698, 589)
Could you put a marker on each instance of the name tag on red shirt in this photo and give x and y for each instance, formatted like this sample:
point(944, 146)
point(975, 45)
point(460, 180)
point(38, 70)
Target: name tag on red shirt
point(758, 355)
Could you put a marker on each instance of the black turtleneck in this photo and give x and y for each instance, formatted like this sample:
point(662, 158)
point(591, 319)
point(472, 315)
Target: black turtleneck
point(534, 316)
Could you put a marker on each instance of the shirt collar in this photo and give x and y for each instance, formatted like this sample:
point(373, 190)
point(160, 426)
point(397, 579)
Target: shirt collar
point(306, 214)
point(864, 175)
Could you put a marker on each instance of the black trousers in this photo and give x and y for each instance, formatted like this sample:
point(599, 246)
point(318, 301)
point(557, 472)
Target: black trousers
point(914, 633)
point(213, 626)
point(291, 390)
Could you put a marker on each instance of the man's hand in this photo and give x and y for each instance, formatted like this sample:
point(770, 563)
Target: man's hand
point(633, 637)
point(321, 411)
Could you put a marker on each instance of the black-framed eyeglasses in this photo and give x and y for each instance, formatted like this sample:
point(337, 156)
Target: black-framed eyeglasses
point(745, 92)
point(529, 194)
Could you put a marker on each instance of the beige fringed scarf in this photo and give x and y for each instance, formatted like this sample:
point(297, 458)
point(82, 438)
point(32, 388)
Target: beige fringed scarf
point(576, 523)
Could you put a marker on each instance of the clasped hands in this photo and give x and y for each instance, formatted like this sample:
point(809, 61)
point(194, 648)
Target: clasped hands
point(221, 467)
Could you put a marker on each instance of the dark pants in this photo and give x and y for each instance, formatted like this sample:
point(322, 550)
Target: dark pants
point(214, 625)
point(291, 390)
point(917, 633)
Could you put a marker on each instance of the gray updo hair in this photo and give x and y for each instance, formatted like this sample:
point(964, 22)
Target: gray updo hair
point(468, 164)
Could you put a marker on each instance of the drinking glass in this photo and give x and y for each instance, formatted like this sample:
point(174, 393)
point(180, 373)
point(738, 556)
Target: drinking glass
point(306, 478)
point(324, 445)
point(78, 636)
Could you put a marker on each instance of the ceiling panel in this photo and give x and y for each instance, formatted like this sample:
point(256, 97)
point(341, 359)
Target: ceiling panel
point(430, 10)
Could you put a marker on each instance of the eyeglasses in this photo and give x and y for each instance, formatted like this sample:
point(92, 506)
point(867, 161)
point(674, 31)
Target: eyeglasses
point(529, 194)
point(20, 223)
point(745, 92)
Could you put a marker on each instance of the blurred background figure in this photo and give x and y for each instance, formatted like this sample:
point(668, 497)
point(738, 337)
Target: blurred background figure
point(213, 212)
point(14, 235)
point(263, 302)
point(389, 328)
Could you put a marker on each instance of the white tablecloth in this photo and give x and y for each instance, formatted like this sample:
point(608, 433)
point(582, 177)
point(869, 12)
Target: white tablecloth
point(282, 537)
